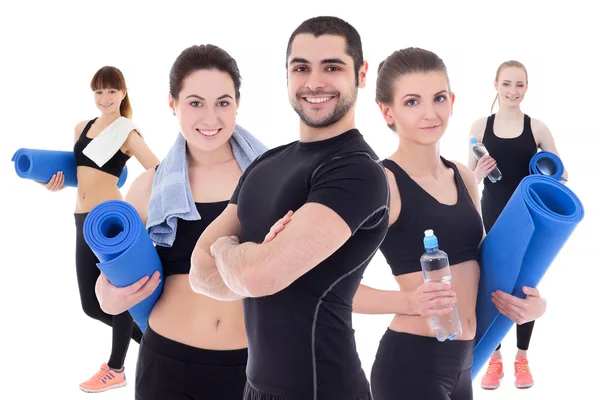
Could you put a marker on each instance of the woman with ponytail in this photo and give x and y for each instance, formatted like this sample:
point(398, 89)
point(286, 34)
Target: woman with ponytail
point(100, 163)
point(512, 138)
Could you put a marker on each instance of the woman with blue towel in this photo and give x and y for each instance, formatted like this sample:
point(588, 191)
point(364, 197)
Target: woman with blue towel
point(102, 147)
point(194, 347)
point(512, 138)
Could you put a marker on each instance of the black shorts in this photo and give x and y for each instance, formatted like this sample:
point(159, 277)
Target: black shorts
point(167, 369)
point(419, 367)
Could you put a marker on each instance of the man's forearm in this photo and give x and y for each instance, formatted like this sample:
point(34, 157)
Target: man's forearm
point(206, 279)
point(232, 266)
point(243, 268)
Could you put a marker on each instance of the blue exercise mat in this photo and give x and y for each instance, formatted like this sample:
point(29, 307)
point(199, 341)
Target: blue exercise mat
point(40, 165)
point(537, 221)
point(117, 235)
point(547, 164)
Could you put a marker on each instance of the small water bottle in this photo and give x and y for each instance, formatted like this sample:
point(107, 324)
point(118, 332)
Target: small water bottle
point(436, 268)
point(479, 150)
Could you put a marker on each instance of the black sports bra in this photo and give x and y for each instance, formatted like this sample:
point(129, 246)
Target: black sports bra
point(114, 166)
point(458, 227)
point(176, 259)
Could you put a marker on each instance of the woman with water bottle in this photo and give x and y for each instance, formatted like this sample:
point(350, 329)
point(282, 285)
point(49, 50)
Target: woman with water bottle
point(427, 192)
point(511, 137)
point(427, 352)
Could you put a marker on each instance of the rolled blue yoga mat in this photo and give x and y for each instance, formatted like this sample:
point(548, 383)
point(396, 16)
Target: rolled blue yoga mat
point(537, 221)
point(40, 165)
point(116, 234)
point(548, 164)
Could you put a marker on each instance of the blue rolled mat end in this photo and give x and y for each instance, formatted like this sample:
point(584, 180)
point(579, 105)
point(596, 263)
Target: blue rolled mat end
point(548, 164)
point(122, 178)
point(537, 221)
point(40, 165)
point(117, 236)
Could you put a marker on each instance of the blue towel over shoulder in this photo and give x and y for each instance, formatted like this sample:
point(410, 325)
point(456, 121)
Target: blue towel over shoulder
point(171, 193)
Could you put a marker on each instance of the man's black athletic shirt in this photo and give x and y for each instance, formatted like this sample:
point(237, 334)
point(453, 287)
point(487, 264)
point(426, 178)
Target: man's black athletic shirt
point(301, 341)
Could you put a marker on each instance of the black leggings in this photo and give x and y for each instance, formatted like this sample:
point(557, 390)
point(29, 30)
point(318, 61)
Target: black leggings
point(523, 336)
point(123, 326)
point(169, 370)
point(409, 367)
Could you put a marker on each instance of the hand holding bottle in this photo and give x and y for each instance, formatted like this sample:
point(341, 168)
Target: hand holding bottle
point(485, 165)
point(433, 299)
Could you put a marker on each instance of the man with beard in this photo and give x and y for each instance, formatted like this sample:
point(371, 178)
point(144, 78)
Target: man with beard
point(298, 286)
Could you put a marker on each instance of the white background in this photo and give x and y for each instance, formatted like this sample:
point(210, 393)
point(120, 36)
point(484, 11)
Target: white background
point(50, 51)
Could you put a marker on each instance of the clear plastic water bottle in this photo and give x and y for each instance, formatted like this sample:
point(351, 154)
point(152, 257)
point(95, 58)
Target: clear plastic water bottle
point(436, 268)
point(479, 150)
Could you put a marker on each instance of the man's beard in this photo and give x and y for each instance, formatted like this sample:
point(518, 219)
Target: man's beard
point(341, 108)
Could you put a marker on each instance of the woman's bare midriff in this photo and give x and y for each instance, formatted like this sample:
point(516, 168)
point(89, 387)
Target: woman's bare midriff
point(196, 320)
point(465, 279)
point(94, 187)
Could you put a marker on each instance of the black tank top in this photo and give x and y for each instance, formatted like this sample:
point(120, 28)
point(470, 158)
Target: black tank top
point(176, 259)
point(114, 166)
point(458, 227)
point(512, 156)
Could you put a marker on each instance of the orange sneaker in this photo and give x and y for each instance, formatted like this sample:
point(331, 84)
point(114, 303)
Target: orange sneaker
point(523, 378)
point(491, 379)
point(104, 379)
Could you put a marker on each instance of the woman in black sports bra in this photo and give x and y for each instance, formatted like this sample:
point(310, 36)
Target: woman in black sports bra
point(195, 347)
point(427, 192)
point(511, 138)
point(95, 185)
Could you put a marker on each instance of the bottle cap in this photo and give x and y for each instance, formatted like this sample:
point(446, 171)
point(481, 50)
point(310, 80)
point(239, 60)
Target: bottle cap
point(430, 240)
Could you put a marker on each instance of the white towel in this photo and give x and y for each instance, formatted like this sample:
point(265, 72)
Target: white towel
point(109, 141)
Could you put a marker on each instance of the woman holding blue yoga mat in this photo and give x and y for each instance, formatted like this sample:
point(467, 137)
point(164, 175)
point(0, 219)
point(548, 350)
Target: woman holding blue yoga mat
point(102, 147)
point(194, 347)
point(512, 138)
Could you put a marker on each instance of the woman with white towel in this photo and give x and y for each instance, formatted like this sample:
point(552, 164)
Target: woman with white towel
point(102, 147)
point(194, 347)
